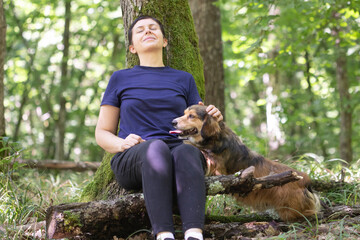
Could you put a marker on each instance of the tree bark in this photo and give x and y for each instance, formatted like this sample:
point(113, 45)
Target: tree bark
point(313, 112)
point(126, 214)
point(207, 20)
point(61, 122)
point(2, 63)
point(97, 220)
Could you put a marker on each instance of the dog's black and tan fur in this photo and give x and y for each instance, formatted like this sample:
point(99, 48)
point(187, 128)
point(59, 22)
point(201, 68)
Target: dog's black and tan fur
point(227, 154)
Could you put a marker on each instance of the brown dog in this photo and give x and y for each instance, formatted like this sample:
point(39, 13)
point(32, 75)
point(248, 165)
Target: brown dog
point(227, 154)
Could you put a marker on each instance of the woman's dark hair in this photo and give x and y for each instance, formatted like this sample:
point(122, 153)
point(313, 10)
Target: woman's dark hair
point(141, 18)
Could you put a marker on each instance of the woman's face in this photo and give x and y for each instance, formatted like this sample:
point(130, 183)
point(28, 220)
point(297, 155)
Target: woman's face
point(147, 36)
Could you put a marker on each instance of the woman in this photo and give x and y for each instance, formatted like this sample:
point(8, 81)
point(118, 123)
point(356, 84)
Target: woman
point(148, 97)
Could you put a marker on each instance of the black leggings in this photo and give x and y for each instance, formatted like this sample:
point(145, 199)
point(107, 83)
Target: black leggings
point(162, 168)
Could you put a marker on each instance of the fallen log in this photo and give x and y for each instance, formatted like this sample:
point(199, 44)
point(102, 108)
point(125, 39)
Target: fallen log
point(97, 219)
point(59, 165)
point(327, 186)
point(244, 182)
point(123, 216)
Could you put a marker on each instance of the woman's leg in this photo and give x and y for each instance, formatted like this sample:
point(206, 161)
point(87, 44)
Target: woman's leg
point(149, 164)
point(190, 185)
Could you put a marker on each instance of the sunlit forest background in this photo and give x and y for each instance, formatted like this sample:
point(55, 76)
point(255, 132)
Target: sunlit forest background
point(281, 92)
point(291, 77)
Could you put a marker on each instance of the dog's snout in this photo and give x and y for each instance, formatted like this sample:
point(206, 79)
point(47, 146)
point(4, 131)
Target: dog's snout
point(174, 122)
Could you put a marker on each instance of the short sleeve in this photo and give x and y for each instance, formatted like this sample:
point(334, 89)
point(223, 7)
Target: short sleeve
point(111, 93)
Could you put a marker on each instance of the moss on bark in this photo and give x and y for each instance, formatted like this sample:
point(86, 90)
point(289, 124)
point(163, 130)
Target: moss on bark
point(97, 189)
point(182, 53)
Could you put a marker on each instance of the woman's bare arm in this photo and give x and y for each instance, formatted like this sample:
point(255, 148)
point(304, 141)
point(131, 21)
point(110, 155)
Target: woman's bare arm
point(106, 129)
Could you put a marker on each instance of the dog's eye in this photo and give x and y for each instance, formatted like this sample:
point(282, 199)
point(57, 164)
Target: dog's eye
point(191, 116)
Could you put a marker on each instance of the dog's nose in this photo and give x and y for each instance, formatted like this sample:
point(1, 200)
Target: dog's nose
point(174, 122)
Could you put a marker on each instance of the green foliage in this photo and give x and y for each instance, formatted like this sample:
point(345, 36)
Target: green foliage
point(34, 52)
point(279, 59)
point(279, 63)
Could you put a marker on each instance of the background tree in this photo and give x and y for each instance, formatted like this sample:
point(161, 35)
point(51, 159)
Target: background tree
point(61, 121)
point(2, 61)
point(342, 81)
point(207, 20)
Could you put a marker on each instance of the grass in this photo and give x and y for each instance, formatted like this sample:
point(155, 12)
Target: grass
point(24, 200)
point(25, 194)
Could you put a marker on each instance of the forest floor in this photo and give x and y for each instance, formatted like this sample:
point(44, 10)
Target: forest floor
point(347, 228)
point(25, 197)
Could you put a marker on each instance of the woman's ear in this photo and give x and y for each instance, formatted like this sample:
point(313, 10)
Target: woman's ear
point(132, 49)
point(165, 42)
point(210, 127)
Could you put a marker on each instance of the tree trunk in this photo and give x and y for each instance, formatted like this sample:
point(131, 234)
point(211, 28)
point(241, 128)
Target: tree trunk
point(313, 112)
point(207, 21)
point(345, 110)
point(29, 69)
point(2, 63)
point(126, 214)
point(343, 88)
point(181, 53)
point(61, 122)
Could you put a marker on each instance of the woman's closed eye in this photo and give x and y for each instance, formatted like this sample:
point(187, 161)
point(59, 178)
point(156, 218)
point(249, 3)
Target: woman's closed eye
point(139, 30)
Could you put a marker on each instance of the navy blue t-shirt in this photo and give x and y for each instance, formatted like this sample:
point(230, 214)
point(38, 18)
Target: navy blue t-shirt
point(149, 99)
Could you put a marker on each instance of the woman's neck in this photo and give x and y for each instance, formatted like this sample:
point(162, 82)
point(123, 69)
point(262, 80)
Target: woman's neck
point(151, 60)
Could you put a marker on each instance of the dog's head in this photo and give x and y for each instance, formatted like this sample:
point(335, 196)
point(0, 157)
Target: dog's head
point(196, 124)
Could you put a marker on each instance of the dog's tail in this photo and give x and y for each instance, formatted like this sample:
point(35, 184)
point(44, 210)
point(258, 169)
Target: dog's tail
point(314, 201)
point(307, 205)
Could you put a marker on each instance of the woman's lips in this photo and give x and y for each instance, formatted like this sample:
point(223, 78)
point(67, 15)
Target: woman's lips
point(148, 38)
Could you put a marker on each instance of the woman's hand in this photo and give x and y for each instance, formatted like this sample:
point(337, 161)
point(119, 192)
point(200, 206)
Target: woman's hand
point(131, 140)
point(214, 112)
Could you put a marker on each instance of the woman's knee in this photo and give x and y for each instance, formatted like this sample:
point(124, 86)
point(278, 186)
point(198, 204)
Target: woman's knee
point(188, 154)
point(156, 147)
point(158, 156)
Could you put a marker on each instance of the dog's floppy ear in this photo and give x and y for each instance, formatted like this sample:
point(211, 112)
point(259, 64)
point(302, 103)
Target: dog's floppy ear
point(210, 127)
